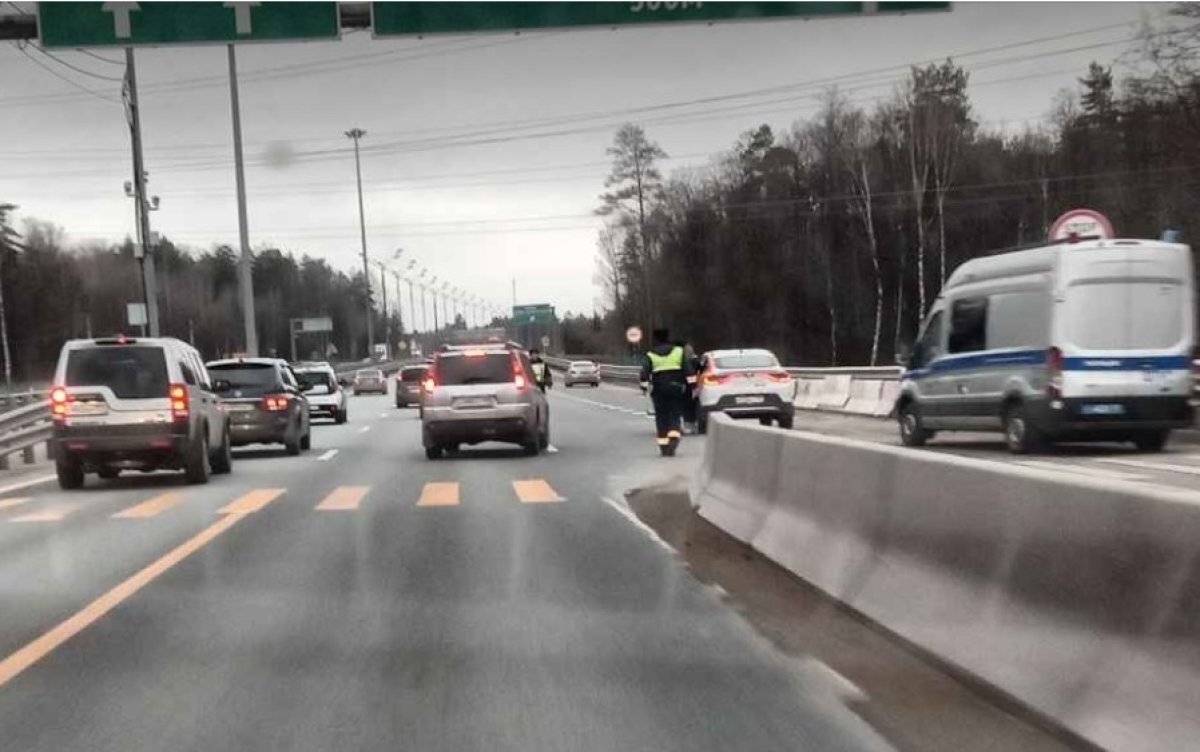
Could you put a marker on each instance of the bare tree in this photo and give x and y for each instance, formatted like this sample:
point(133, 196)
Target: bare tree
point(9, 241)
point(608, 265)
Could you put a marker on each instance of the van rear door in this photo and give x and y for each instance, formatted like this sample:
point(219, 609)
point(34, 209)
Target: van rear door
point(1126, 320)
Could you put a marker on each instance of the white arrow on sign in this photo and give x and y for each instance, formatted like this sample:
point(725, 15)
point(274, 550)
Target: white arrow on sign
point(122, 29)
point(241, 16)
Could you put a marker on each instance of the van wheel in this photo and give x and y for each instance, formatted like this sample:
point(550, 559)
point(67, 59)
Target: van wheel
point(70, 473)
point(912, 431)
point(196, 464)
point(1021, 436)
point(1151, 441)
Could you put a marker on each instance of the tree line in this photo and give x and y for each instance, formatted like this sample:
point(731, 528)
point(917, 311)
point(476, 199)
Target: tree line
point(828, 242)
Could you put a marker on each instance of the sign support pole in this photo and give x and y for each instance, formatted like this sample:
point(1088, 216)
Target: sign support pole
point(245, 270)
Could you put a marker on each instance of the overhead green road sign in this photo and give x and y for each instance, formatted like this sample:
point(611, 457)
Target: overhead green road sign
point(528, 314)
point(416, 18)
point(122, 24)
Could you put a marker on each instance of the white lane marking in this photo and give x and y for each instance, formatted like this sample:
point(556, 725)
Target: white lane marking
point(624, 510)
point(364, 429)
point(551, 449)
point(1096, 472)
point(26, 483)
point(1144, 465)
point(842, 688)
point(384, 415)
point(328, 455)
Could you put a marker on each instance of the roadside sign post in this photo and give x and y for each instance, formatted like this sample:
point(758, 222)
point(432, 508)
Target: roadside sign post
point(135, 315)
point(1080, 223)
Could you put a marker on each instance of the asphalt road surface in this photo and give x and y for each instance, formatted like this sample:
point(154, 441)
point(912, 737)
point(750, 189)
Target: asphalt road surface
point(361, 597)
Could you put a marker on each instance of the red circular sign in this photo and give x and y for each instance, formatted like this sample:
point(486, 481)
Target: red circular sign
point(1081, 223)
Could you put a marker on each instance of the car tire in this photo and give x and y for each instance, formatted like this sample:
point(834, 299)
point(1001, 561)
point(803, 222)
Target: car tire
point(108, 473)
point(1020, 435)
point(196, 463)
point(433, 452)
point(341, 417)
point(544, 437)
point(533, 446)
point(306, 440)
point(222, 461)
point(764, 421)
point(701, 422)
point(787, 421)
point(1152, 441)
point(912, 432)
point(70, 473)
point(291, 443)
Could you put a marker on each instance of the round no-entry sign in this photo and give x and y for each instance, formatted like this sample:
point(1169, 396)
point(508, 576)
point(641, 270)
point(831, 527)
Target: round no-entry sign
point(633, 335)
point(1081, 223)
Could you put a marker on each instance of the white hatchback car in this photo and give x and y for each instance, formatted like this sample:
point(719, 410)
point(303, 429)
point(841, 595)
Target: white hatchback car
point(744, 384)
point(326, 398)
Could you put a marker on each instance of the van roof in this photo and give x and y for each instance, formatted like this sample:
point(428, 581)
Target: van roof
point(1038, 259)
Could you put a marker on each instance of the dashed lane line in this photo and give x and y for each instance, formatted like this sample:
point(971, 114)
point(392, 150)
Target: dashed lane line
point(26, 483)
point(328, 455)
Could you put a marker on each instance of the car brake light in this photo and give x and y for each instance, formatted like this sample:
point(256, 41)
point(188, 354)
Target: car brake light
point(782, 377)
point(712, 379)
point(58, 402)
point(178, 394)
point(276, 402)
point(1054, 368)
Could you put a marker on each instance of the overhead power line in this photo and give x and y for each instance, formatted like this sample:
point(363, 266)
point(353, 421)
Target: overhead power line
point(21, 48)
point(83, 71)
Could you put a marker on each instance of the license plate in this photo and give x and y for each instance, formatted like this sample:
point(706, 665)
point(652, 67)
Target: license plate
point(749, 400)
point(1103, 409)
point(473, 402)
point(243, 408)
point(88, 408)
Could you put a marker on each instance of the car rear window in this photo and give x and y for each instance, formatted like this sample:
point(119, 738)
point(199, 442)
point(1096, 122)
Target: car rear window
point(250, 378)
point(370, 374)
point(413, 375)
point(489, 368)
point(586, 366)
point(131, 372)
point(746, 360)
point(317, 378)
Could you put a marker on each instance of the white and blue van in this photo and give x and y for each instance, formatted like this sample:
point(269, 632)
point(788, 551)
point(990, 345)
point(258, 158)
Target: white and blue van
point(1080, 341)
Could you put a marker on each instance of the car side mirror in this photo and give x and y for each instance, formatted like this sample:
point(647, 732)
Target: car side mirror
point(220, 386)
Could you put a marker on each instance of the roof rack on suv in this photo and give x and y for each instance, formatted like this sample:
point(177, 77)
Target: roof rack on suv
point(487, 345)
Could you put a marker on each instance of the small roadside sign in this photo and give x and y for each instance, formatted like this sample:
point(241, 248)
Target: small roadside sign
point(545, 342)
point(136, 314)
point(1081, 223)
point(633, 335)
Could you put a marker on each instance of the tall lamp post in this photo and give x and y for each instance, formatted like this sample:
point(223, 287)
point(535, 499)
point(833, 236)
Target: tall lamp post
point(355, 134)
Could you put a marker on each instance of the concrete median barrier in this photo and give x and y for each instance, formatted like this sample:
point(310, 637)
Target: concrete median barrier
point(1079, 598)
point(834, 391)
point(864, 396)
point(888, 394)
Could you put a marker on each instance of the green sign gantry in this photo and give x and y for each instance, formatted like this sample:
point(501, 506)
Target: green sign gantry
point(122, 24)
point(416, 18)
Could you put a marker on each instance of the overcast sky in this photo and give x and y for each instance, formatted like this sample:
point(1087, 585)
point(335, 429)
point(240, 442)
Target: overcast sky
point(537, 112)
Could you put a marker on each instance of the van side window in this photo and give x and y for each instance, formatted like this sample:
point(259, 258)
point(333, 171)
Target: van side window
point(930, 346)
point(968, 325)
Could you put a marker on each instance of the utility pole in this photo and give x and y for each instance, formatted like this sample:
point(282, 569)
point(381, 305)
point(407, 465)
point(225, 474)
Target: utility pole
point(433, 287)
point(245, 269)
point(142, 211)
point(355, 134)
point(387, 326)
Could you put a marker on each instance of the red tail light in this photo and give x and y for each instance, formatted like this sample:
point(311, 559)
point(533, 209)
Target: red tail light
point(276, 402)
point(782, 377)
point(1054, 368)
point(712, 379)
point(179, 402)
point(58, 403)
point(518, 372)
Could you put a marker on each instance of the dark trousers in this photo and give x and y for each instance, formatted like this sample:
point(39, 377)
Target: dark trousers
point(668, 409)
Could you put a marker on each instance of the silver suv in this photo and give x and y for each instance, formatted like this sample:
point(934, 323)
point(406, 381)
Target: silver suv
point(136, 404)
point(483, 393)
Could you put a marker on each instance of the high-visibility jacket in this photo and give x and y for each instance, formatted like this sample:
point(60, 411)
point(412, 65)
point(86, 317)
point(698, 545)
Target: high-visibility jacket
point(665, 365)
point(672, 361)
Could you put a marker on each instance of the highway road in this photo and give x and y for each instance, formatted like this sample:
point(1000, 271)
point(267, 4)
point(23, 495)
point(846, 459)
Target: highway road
point(360, 596)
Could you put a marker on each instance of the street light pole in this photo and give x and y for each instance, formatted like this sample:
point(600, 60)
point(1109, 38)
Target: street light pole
point(387, 326)
point(355, 134)
point(149, 285)
point(245, 272)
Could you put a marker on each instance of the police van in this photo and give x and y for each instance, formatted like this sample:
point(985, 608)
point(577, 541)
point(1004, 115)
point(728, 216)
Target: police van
point(1087, 340)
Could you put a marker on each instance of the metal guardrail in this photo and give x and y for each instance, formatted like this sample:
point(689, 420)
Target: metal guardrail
point(22, 429)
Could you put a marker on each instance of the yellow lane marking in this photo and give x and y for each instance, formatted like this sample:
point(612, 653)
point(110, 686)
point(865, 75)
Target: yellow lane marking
point(151, 507)
point(52, 513)
point(15, 664)
point(252, 502)
point(10, 503)
point(344, 499)
point(439, 495)
point(535, 491)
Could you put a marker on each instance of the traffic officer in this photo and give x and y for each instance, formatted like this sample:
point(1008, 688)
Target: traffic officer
point(666, 374)
point(541, 372)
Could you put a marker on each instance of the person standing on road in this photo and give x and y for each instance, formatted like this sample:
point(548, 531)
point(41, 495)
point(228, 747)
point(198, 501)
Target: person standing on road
point(666, 374)
point(541, 372)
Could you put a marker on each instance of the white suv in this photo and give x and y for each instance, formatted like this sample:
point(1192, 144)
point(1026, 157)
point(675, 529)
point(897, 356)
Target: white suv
point(326, 397)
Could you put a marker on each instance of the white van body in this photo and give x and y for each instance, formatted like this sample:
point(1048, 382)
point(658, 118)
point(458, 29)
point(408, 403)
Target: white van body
point(1089, 340)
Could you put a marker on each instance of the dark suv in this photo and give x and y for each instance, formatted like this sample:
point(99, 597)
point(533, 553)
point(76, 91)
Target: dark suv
point(265, 402)
point(136, 404)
